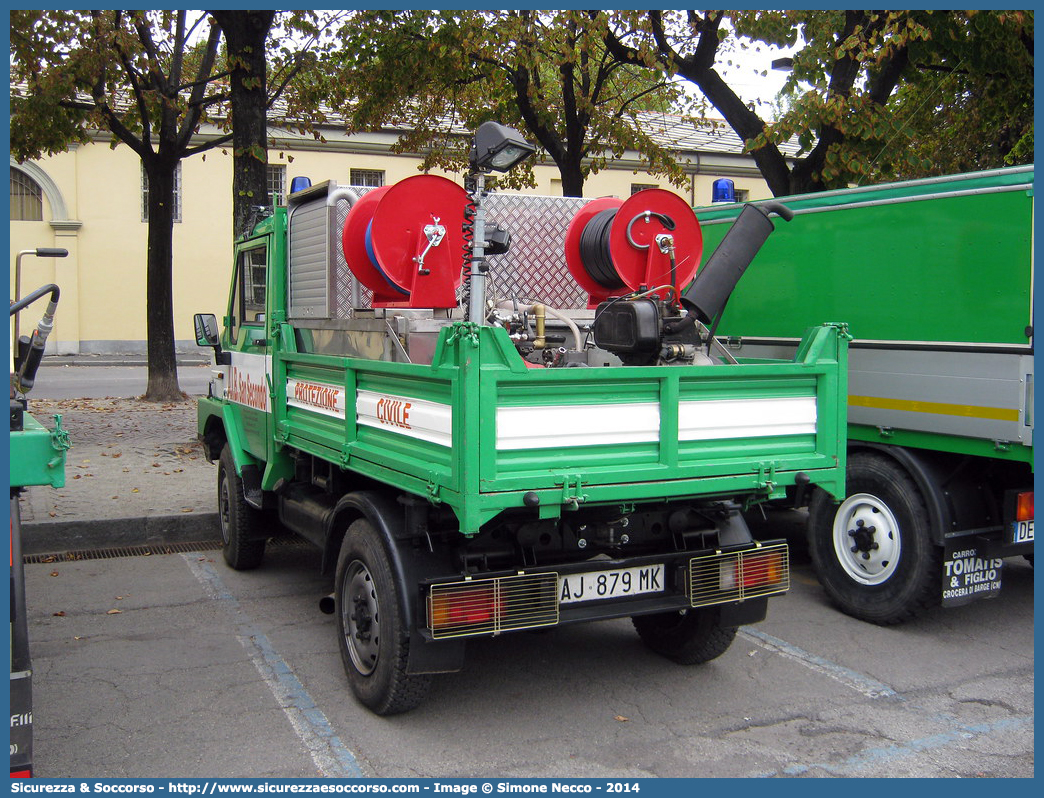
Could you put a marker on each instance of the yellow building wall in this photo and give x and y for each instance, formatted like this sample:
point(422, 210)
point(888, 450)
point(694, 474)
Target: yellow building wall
point(103, 304)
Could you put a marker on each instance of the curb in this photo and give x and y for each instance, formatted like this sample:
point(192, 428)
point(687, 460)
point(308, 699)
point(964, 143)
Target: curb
point(56, 537)
point(116, 360)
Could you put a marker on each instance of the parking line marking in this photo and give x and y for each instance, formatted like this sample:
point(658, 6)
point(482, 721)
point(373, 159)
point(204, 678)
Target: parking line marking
point(330, 755)
point(874, 757)
point(862, 683)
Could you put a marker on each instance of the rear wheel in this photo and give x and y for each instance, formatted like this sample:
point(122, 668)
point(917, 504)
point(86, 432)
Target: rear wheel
point(873, 553)
point(243, 528)
point(374, 639)
point(691, 637)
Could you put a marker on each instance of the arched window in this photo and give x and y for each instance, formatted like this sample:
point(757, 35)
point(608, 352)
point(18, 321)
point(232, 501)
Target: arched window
point(26, 198)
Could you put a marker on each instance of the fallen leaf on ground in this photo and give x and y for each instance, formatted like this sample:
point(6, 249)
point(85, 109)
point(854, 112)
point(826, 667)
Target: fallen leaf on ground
point(621, 719)
point(114, 612)
point(59, 614)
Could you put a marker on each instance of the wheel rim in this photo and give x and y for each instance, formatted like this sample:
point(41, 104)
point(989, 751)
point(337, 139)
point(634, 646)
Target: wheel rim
point(360, 617)
point(224, 502)
point(866, 539)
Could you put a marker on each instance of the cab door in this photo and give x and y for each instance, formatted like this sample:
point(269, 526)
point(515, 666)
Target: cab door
point(249, 384)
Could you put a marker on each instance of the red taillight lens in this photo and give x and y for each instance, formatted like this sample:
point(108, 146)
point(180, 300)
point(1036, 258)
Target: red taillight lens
point(1024, 507)
point(462, 607)
point(762, 568)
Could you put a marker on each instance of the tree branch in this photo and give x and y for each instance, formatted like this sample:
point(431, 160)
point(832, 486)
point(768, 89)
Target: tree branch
point(208, 145)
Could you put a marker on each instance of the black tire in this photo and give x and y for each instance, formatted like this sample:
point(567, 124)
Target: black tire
point(873, 553)
point(243, 527)
point(374, 639)
point(689, 638)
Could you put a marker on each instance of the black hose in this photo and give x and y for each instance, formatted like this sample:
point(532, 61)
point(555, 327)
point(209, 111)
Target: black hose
point(29, 299)
point(594, 250)
point(781, 210)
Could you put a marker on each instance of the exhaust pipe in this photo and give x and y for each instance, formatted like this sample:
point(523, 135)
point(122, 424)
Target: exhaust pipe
point(326, 604)
point(718, 278)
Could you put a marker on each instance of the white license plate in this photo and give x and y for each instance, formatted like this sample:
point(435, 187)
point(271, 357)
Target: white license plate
point(1023, 531)
point(597, 585)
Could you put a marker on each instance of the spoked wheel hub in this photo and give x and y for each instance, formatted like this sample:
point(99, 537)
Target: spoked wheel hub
point(866, 539)
point(361, 618)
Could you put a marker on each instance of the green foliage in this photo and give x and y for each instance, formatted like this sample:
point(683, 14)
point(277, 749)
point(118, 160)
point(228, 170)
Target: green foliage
point(441, 74)
point(976, 112)
point(140, 75)
point(146, 77)
point(872, 95)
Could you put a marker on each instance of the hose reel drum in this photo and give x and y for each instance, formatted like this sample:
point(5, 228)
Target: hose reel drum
point(404, 242)
point(650, 241)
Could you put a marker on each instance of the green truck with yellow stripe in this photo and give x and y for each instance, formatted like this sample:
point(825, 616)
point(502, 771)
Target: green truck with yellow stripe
point(494, 412)
point(935, 279)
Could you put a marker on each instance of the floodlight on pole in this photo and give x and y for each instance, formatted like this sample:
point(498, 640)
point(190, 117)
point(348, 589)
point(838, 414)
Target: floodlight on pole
point(498, 148)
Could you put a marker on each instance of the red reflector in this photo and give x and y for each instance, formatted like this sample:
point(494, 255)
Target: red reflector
point(21, 774)
point(1024, 507)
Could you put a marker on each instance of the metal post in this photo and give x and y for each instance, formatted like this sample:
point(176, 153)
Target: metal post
point(477, 305)
point(40, 252)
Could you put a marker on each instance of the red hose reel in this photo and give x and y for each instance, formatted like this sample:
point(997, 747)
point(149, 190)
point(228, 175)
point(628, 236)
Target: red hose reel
point(615, 247)
point(405, 242)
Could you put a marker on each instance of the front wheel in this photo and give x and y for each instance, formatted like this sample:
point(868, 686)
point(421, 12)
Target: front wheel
point(873, 553)
point(243, 528)
point(374, 638)
point(691, 637)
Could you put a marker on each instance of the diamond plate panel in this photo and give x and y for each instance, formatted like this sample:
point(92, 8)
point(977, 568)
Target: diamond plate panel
point(343, 306)
point(534, 270)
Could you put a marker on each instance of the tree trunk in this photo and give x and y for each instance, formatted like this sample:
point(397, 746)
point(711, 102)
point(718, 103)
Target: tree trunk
point(245, 35)
point(162, 370)
point(572, 180)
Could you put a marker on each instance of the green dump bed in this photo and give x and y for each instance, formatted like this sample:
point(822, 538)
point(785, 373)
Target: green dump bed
point(482, 432)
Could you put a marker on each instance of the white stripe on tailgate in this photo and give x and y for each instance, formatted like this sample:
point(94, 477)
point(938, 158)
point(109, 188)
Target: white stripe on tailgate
point(746, 418)
point(557, 426)
point(415, 418)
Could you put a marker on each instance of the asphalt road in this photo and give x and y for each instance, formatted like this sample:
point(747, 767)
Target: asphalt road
point(99, 382)
point(209, 672)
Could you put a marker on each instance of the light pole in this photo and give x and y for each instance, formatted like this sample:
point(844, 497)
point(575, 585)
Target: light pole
point(495, 148)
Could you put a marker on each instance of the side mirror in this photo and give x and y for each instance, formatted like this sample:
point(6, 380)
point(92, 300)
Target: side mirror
point(206, 329)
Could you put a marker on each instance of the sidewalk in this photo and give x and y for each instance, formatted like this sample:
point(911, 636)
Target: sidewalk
point(135, 475)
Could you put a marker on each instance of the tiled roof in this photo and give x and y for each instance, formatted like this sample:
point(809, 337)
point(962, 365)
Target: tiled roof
point(708, 135)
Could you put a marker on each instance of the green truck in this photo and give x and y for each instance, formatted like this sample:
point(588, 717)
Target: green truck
point(934, 278)
point(398, 381)
point(37, 458)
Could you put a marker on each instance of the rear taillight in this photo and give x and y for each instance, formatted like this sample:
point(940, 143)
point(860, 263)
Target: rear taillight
point(1024, 507)
point(722, 578)
point(462, 608)
point(753, 570)
point(762, 568)
point(490, 606)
